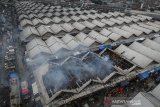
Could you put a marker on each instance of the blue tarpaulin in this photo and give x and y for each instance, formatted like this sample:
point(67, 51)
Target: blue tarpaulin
point(13, 75)
point(143, 76)
point(102, 47)
point(157, 69)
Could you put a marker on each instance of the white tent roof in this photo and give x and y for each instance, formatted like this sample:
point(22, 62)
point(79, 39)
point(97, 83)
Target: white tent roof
point(35, 42)
point(52, 40)
point(98, 23)
point(145, 51)
point(122, 32)
point(85, 39)
point(116, 21)
point(152, 44)
point(98, 37)
point(108, 22)
point(78, 26)
point(134, 56)
point(67, 27)
point(56, 28)
point(114, 36)
point(149, 27)
point(88, 24)
point(105, 32)
point(145, 30)
point(134, 31)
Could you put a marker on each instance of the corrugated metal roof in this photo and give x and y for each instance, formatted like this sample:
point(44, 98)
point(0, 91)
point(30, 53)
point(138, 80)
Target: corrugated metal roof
point(70, 41)
point(149, 27)
point(114, 36)
point(147, 17)
point(52, 40)
point(124, 20)
point(130, 18)
point(27, 32)
point(67, 27)
point(99, 15)
point(57, 20)
point(139, 18)
point(85, 39)
point(113, 14)
point(88, 24)
point(145, 51)
point(92, 16)
point(37, 21)
point(98, 23)
point(116, 21)
point(145, 30)
point(83, 17)
point(105, 32)
point(152, 44)
point(106, 15)
point(56, 28)
point(78, 26)
point(156, 91)
point(157, 40)
point(44, 30)
point(66, 19)
point(25, 22)
point(47, 21)
point(37, 50)
point(134, 31)
point(144, 100)
point(98, 37)
point(134, 56)
point(108, 22)
point(153, 24)
point(75, 18)
point(35, 42)
point(122, 32)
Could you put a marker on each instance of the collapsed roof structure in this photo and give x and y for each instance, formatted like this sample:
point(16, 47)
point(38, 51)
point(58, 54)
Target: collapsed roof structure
point(59, 42)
